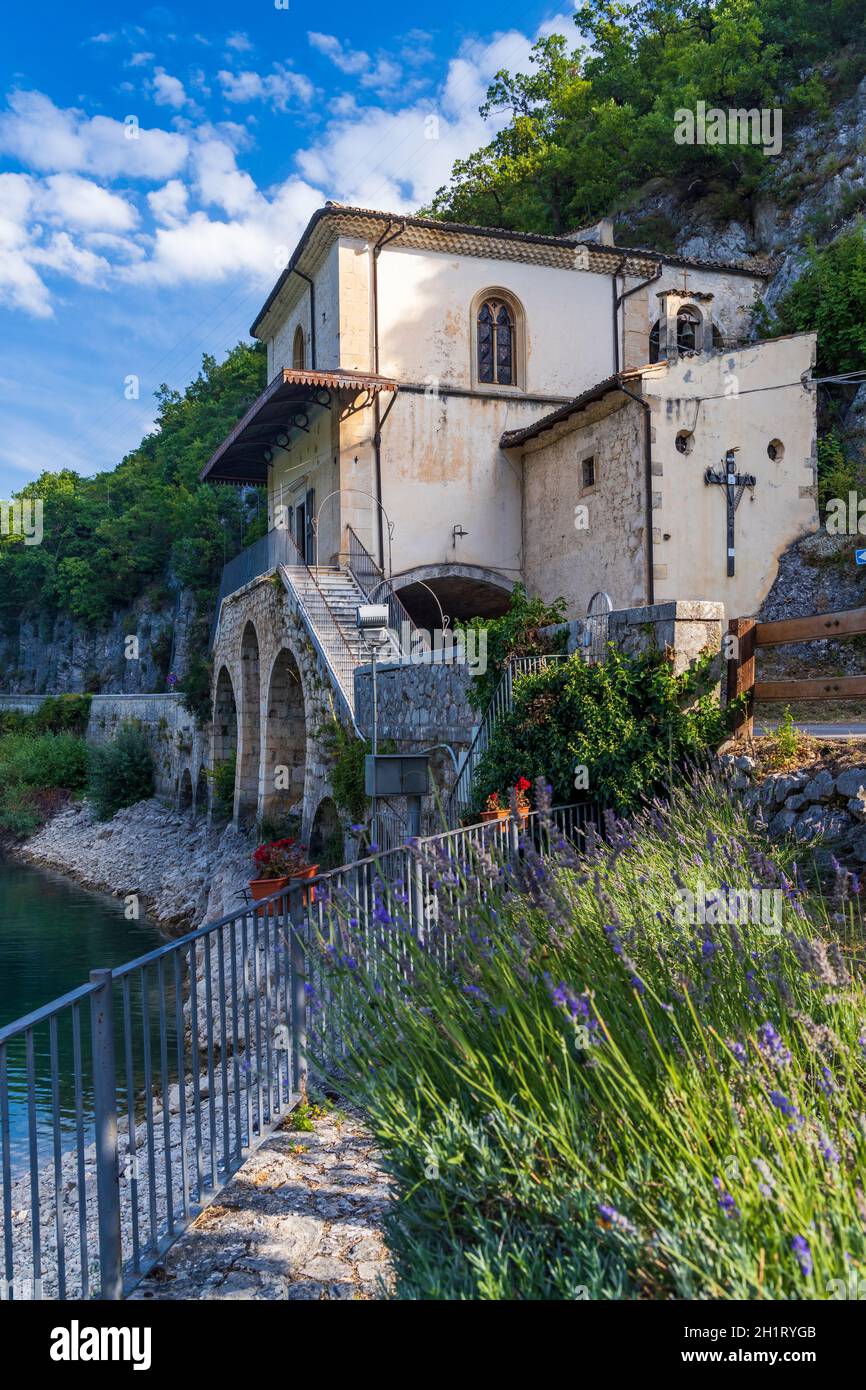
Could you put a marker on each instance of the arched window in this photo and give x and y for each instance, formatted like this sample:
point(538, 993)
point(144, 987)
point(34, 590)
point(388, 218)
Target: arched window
point(298, 362)
point(689, 329)
point(498, 337)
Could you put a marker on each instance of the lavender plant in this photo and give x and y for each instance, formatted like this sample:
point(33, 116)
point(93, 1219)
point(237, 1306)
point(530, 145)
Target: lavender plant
point(584, 1086)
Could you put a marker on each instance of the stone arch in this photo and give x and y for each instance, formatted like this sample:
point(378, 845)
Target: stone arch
point(464, 591)
point(200, 795)
point(284, 764)
point(249, 729)
point(224, 741)
point(326, 836)
point(185, 792)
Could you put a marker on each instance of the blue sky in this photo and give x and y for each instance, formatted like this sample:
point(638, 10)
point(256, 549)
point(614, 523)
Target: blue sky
point(157, 164)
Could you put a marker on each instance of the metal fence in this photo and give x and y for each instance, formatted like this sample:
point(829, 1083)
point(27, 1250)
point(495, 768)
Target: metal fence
point(141, 1092)
point(373, 582)
point(502, 702)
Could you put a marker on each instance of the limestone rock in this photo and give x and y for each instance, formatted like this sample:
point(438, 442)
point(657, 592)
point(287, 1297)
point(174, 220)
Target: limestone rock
point(821, 787)
point(852, 782)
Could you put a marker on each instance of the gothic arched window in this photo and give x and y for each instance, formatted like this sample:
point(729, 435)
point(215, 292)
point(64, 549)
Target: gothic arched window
point(496, 343)
point(298, 362)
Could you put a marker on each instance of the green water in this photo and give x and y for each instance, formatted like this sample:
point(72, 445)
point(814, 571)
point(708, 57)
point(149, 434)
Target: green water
point(52, 934)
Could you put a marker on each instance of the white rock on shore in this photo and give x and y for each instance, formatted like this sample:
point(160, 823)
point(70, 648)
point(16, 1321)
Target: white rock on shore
point(183, 872)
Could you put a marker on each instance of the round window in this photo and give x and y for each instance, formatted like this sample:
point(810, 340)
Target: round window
point(776, 450)
point(685, 441)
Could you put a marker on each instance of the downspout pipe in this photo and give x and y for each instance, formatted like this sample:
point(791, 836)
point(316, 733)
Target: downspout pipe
point(387, 236)
point(312, 315)
point(618, 301)
point(648, 486)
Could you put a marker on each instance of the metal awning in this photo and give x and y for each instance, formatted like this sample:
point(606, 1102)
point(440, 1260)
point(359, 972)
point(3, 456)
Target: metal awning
point(284, 406)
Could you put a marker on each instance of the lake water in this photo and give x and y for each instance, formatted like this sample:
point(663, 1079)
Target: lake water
point(52, 934)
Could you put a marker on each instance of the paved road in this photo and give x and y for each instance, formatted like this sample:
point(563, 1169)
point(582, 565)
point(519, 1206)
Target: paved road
point(840, 730)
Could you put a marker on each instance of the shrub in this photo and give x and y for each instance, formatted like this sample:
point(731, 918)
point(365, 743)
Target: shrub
point(63, 714)
point(347, 770)
point(195, 687)
point(517, 633)
point(33, 767)
point(120, 772)
point(223, 777)
point(629, 722)
point(602, 1094)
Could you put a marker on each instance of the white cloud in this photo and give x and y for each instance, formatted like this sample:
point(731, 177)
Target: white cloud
point(278, 87)
point(347, 60)
point(168, 90)
point(72, 201)
point(385, 75)
point(49, 139)
point(169, 204)
point(138, 60)
point(239, 42)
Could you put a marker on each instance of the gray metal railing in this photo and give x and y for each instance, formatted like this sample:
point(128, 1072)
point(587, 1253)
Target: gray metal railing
point(325, 632)
point(501, 703)
point(141, 1092)
point(271, 550)
point(372, 580)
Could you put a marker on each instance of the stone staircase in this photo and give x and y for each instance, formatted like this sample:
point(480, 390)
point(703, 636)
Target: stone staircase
point(327, 599)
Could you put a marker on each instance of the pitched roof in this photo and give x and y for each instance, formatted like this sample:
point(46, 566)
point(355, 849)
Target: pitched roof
point(501, 243)
point(513, 439)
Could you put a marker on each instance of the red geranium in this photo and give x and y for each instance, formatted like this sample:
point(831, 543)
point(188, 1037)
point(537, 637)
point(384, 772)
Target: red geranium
point(280, 858)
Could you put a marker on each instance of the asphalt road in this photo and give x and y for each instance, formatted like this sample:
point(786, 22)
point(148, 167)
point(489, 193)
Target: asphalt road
point(840, 730)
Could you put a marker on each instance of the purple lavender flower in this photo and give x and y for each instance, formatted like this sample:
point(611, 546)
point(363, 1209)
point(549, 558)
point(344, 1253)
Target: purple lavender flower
point(612, 1218)
point(772, 1047)
point(800, 1247)
point(725, 1200)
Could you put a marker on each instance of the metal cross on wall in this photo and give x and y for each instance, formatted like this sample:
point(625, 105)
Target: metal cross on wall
point(735, 485)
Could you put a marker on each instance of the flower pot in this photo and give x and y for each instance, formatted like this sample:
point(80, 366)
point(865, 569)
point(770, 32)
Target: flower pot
point(310, 872)
point(491, 815)
point(263, 888)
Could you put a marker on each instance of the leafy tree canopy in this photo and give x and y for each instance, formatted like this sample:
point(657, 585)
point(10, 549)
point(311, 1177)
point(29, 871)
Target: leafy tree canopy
point(593, 121)
point(110, 537)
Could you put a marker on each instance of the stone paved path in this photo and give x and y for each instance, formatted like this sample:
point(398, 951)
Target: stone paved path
point(300, 1220)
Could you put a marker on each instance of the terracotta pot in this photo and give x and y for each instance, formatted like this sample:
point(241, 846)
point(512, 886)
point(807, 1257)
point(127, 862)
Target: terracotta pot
point(264, 887)
point(310, 872)
point(491, 815)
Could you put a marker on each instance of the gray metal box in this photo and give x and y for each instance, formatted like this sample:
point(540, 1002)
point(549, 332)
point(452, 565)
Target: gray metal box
point(396, 774)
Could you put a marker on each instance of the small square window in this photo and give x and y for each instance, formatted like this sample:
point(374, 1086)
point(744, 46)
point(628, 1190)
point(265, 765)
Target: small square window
point(588, 470)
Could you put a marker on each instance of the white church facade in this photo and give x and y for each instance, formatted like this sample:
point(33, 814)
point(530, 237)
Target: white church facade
point(454, 409)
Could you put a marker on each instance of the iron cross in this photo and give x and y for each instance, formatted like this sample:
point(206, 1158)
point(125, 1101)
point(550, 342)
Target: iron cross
point(734, 484)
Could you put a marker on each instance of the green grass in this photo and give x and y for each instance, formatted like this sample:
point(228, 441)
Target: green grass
point(32, 767)
point(597, 1099)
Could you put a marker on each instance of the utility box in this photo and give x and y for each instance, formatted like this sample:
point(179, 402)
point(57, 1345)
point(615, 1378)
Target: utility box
point(396, 774)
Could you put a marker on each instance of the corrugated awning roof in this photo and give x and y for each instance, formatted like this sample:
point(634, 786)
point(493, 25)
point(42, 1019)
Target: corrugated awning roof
point(279, 409)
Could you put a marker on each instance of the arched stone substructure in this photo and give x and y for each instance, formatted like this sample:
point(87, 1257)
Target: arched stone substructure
point(326, 836)
point(224, 738)
point(264, 609)
point(185, 792)
point(249, 730)
point(284, 747)
point(200, 795)
point(464, 591)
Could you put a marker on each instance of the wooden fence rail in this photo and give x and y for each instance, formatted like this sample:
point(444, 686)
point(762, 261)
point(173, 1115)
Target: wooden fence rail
point(750, 634)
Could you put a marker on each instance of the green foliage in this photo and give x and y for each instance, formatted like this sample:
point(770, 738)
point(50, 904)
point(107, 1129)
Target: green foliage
point(57, 714)
point(347, 770)
point(630, 722)
point(829, 298)
point(195, 686)
point(113, 537)
point(589, 126)
point(120, 772)
point(597, 1094)
point(836, 471)
point(516, 633)
point(33, 765)
point(223, 776)
point(785, 746)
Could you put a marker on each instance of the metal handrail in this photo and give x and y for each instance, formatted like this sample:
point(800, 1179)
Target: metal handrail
point(370, 578)
point(340, 662)
point(180, 1062)
point(501, 702)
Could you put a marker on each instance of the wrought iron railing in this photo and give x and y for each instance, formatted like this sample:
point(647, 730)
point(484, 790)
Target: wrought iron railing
point(373, 582)
point(501, 703)
point(264, 556)
point(140, 1093)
